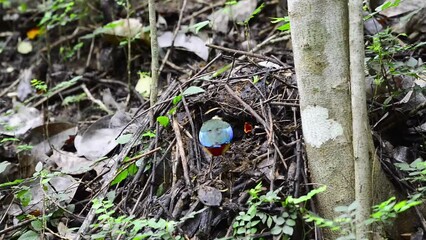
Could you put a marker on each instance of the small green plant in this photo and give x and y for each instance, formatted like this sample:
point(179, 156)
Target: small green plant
point(68, 52)
point(253, 14)
point(384, 6)
point(58, 13)
point(390, 208)
point(8, 140)
point(110, 226)
point(128, 170)
point(19, 148)
point(39, 85)
point(163, 121)
point(196, 28)
point(6, 3)
point(149, 134)
point(256, 79)
point(345, 223)
point(384, 66)
point(416, 173)
point(176, 100)
point(74, 99)
point(255, 220)
point(24, 148)
point(231, 2)
point(285, 23)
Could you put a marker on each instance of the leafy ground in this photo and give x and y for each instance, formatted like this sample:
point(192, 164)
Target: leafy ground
point(83, 155)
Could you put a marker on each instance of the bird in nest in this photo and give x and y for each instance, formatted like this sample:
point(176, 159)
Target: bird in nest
point(216, 135)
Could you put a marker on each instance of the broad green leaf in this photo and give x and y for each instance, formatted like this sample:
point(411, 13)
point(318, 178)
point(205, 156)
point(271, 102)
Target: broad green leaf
point(123, 139)
point(279, 220)
point(269, 222)
point(163, 120)
point(29, 235)
point(120, 177)
point(276, 230)
point(177, 99)
point(24, 196)
point(288, 230)
point(192, 91)
point(241, 230)
point(290, 222)
point(149, 134)
point(37, 225)
point(172, 111)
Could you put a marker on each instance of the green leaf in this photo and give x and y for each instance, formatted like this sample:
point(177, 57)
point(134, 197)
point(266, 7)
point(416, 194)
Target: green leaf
point(285, 215)
point(16, 182)
point(123, 139)
point(288, 230)
point(262, 216)
point(198, 26)
point(256, 79)
point(246, 218)
point(231, 2)
point(387, 4)
point(163, 120)
point(120, 177)
point(290, 222)
point(172, 111)
point(254, 13)
point(9, 140)
point(29, 235)
point(192, 91)
point(252, 211)
point(269, 222)
point(177, 99)
point(241, 230)
point(276, 230)
point(37, 225)
point(307, 197)
point(149, 134)
point(236, 224)
point(284, 27)
point(254, 223)
point(24, 196)
point(279, 221)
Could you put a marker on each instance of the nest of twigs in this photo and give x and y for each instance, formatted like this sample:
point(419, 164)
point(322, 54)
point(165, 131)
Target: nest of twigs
point(261, 104)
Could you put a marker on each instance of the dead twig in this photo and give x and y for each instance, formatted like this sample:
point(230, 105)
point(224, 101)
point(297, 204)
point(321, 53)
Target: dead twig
point(175, 32)
point(208, 8)
point(249, 109)
point(248, 54)
point(181, 150)
point(98, 102)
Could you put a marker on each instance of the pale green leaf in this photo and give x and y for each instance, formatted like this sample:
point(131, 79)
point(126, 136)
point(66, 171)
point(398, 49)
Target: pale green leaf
point(193, 90)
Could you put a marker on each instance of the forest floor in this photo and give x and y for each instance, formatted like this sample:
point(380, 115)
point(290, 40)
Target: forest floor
point(84, 155)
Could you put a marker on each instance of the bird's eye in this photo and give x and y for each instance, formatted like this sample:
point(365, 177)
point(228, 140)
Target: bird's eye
point(210, 130)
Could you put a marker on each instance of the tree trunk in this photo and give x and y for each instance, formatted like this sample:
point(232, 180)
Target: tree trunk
point(335, 128)
point(319, 31)
point(362, 140)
